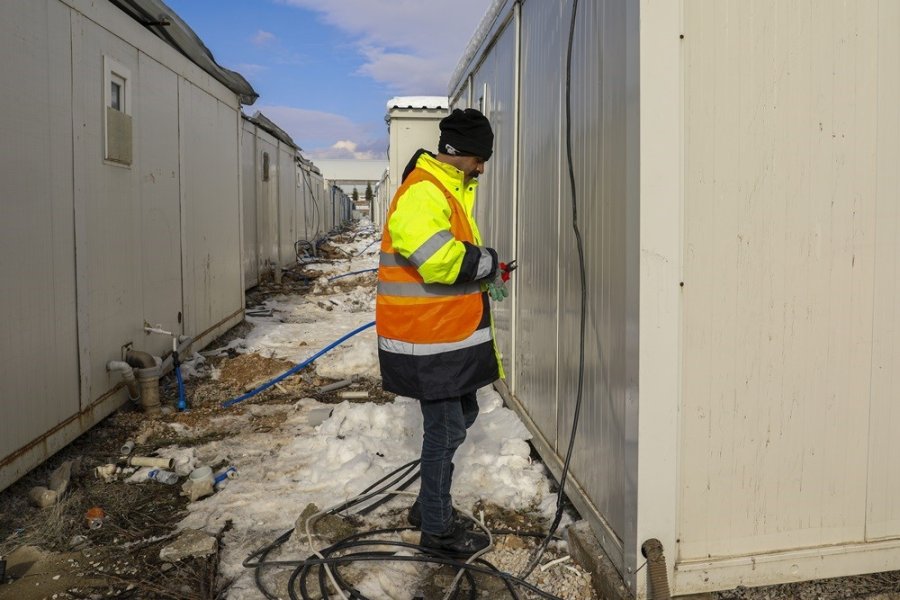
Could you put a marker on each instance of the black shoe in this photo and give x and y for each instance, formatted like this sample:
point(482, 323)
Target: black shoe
point(457, 542)
point(414, 517)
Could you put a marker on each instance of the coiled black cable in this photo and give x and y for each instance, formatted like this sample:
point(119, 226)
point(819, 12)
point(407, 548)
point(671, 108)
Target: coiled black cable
point(401, 476)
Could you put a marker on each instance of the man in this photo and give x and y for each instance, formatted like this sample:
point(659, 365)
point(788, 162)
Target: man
point(432, 313)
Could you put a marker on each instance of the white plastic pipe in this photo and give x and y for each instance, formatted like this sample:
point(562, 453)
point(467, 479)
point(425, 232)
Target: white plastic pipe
point(119, 366)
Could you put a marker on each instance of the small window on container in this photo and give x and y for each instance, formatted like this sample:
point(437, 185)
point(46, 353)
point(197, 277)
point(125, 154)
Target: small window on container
point(265, 166)
point(117, 93)
point(117, 101)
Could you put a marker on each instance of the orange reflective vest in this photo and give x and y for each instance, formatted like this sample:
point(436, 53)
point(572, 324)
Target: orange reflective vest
point(408, 309)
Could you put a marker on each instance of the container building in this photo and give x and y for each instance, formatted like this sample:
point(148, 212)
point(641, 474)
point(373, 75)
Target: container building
point(736, 184)
point(121, 210)
point(282, 197)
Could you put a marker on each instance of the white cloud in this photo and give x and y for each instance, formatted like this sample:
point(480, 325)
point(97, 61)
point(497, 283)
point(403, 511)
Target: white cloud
point(409, 45)
point(263, 37)
point(313, 130)
point(350, 149)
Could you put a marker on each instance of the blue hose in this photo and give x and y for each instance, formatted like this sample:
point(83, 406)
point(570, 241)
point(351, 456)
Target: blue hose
point(367, 247)
point(182, 401)
point(296, 368)
point(353, 273)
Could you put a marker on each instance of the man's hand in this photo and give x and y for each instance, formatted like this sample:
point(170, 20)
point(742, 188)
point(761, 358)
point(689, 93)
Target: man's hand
point(497, 290)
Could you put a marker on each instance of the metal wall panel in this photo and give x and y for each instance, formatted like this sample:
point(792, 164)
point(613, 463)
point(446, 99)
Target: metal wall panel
point(37, 244)
point(599, 145)
point(883, 518)
point(248, 201)
point(538, 213)
point(310, 212)
point(287, 206)
point(495, 207)
point(156, 151)
point(318, 204)
point(108, 218)
point(210, 203)
point(410, 129)
point(104, 242)
point(266, 201)
point(782, 149)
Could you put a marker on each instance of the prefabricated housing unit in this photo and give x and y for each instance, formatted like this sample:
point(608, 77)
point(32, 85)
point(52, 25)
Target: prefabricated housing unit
point(381, 201)
point(735, 166)
point(412, 124)
point(281, 197)
point(121, 208)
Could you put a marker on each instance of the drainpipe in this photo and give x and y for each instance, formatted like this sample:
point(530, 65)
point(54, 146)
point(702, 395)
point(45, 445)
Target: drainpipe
point(148, 379)
point(148, 372)
point(119, 366)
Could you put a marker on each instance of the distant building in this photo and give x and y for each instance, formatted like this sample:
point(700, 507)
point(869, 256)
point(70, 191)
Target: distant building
point(412, 123)
point(121, 208)
point(353, 174)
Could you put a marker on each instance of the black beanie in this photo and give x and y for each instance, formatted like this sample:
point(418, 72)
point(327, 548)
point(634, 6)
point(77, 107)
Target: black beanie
point(466, 133)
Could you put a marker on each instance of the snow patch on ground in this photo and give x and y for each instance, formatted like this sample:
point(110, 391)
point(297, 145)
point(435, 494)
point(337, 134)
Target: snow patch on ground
point(308, 460)
point(283, 471)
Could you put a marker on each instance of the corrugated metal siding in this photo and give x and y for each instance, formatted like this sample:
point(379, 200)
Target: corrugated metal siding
point(248, 200)
point(599, 144)
point(883, 518)
point(782, 157)
point(494, 209)
point(542, 61)
point(287, 206)
point(318, 205)
point(108, 247)
point(266, 201)
point(37, 230)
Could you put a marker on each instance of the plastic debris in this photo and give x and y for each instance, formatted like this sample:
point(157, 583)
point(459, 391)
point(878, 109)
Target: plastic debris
point(42, 497)
point(166, 477)
point(150, 461)
point(199, 484)
point(93, 517)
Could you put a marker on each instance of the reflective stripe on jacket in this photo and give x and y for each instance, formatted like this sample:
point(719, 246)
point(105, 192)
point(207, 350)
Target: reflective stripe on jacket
point(432, 317)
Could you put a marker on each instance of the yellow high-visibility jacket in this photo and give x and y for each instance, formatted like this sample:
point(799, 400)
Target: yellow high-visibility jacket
point(432, 315)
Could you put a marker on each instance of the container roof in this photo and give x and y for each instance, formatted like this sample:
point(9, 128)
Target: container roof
point(263, 122)
point(168, 26)
point(481, 33)
point(418, 102)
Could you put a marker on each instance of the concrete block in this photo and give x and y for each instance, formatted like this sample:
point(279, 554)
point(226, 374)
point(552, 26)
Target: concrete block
point(587, 552)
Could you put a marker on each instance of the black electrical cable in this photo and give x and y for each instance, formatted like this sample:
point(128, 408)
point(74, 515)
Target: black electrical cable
point(565, 471)
point(265, 550)
point(382, 486)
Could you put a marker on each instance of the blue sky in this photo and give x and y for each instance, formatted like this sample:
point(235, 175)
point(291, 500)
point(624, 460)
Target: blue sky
point(325, 69)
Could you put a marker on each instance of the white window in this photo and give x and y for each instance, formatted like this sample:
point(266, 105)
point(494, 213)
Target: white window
point(117, 112)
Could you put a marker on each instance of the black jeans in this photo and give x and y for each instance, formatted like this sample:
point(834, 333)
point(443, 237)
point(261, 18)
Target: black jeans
point(445, 423)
